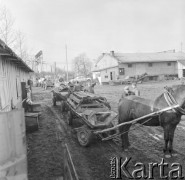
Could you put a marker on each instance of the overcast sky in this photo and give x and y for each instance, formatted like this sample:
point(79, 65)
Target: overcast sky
point(97, 26)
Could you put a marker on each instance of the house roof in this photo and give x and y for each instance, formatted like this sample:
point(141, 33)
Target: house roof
point(149, 57)
point(182, 62)
point(11, 56)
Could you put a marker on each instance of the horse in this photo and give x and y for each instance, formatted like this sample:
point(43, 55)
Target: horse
point(132, 107)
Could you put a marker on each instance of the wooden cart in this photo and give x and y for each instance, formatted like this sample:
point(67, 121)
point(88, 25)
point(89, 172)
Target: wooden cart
point(93, 112)
point(60, 94)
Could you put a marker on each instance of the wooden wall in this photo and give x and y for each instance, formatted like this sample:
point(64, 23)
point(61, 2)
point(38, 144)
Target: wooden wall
point(13, 154)
point(157, 68)
point(11, 77)
point(106, 62)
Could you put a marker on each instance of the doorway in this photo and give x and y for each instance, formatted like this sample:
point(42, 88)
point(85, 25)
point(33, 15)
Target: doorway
point(112, 75)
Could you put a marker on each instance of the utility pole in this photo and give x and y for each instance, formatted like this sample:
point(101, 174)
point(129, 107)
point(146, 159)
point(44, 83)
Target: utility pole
point(67, 64)
point(181, 46)
point(55, 70)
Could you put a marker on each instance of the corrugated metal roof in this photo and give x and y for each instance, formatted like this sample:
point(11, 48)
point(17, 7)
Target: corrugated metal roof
point(10, 55)
point(149, 57)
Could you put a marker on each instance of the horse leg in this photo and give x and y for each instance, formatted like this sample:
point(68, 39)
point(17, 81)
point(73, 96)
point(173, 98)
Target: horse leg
point(171, 136)
point(166, 139)
point(124, 137)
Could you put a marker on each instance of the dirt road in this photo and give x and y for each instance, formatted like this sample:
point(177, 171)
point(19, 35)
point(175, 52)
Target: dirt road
point(45, 158)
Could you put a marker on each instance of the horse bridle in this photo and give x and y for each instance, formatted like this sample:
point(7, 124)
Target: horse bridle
point(171, 101)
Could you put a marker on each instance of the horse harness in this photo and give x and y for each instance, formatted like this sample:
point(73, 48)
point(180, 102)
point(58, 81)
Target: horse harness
point(171, 101)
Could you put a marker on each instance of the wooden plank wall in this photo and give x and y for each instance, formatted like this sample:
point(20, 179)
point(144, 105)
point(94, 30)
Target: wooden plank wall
point(13, 154)
point(11, 77)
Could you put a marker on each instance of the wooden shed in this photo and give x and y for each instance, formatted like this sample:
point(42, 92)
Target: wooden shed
point(13, 156)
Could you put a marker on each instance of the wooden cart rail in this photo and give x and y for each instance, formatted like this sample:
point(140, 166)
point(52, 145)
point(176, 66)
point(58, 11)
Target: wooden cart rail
point(69, 168)
point(137, 119)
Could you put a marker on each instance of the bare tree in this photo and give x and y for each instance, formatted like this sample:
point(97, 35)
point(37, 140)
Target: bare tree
point(82, 65)
point(7, 33)
point(20, 46)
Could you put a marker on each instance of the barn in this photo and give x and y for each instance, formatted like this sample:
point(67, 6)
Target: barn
point(13, 158)
point(13, 71)
point(115, 66)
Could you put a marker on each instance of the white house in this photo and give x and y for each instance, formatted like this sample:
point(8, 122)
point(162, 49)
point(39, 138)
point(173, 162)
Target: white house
point(114, 66)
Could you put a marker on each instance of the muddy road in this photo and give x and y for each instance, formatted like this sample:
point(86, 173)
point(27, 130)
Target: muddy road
point(93, 162)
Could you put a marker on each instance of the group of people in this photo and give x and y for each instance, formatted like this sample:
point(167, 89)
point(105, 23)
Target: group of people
point(128, 92)
point(77, 86)
point(41, 82)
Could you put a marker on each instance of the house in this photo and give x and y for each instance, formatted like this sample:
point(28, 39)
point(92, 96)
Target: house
point(13, 158)
point(114, 66)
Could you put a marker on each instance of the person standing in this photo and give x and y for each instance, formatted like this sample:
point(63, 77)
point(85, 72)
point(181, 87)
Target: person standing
point(126, 92)
point(30, 83)
point(135, 89)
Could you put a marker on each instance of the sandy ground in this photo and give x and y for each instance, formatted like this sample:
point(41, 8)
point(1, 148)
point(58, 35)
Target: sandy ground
point(45, 152)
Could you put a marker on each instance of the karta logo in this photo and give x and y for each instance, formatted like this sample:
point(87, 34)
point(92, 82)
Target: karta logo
point(119, 168)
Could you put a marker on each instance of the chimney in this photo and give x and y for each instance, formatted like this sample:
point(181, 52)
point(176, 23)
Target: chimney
point(112, 53)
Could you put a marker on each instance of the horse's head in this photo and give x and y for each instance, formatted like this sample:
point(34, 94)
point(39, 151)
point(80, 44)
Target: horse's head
point(178, 92)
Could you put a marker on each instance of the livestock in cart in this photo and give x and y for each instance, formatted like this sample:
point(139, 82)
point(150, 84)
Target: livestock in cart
point(132, 107)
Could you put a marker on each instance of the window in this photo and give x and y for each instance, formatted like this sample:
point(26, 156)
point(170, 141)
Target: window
point(106, 76)
point(129, 65)
point(150, 64)
point(169, 63)
point(121, 71)
point(183, 72)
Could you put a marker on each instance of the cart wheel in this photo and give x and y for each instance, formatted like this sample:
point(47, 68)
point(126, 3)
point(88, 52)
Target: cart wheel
point(84, 136)
point(54, 101)
point(69, 118)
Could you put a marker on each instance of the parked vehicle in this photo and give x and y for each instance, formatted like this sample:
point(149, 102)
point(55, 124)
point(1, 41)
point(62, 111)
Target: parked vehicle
point(81, 79)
